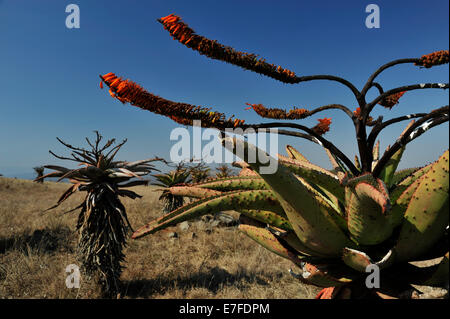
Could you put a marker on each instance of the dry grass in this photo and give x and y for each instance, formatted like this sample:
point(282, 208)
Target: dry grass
point(36, 248)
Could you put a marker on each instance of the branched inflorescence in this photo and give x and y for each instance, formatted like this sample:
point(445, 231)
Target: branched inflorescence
point(183, 113)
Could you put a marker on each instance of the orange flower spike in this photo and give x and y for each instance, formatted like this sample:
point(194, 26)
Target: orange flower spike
point(108, 75)
point(323, 126)
point(109, 78)
point(189, 40)
point(172, 19)
point(166, 17)
point(101, 84)
point(115, 82)
point(112, 93)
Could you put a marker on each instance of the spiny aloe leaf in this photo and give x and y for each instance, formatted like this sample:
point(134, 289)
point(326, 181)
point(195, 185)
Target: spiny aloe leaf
point(366, 222)
point(427, 214)
point(367, 205)
point(268, 217)
point(338, 167)
point(311, 222)
point(234, 183)
point(292, 240)
point(253, 199)
point(387, 174)
point(402, 174)
point(359, 260)
point(267, 239)
point(401, 204)
point(408, 181)
point(440, 276)
point(294, 154)
point(324, 277)
point(328, 202)
point(193, 191)
point(316, 175)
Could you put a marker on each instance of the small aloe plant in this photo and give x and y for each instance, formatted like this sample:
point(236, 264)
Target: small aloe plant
point(103, 224)
point(332, 224)
point(180, 175)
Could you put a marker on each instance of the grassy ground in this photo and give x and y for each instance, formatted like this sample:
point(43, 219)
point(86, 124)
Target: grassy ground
point(36, 248)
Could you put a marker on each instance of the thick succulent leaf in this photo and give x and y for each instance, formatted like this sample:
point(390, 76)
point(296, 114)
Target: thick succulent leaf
point(292, 241)
point(310, 221)
point(401, 204)
point(325, 276)
point(253, 199)
point(52, 174)
point(128, 193)
point(440, 276)
point(427, 214)
point(234, 183)
point(72, 189)
point(367, 207)
point(387, 174)
point(329, 202)
point(133, 183)
point(57, 168)
point(247, 172)
point(294, 154)
point(267, 239)
point(193, 191)
point(359, 260)
point(402, 174)
point(268, 217)
point(406, 182)
point(316, 175)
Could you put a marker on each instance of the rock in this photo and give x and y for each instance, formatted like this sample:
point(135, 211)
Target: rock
point(215, 223)
point(206, 218)
point(193, 235)
point(184, 226)
point(225, 220)
point(172, 235)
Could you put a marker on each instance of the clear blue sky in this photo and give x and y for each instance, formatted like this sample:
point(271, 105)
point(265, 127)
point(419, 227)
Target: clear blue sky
point(49, 74)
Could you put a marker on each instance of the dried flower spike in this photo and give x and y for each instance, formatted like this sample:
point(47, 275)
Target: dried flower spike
point(323, 126)
point(435, 58)
point(275, 113)
point(391, 100)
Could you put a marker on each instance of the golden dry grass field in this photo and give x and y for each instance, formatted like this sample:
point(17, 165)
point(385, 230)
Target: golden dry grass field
point(219, 262)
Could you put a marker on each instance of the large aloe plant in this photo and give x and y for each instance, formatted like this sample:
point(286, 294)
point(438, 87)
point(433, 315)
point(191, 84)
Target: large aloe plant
point(332, 224)
point(102, 224)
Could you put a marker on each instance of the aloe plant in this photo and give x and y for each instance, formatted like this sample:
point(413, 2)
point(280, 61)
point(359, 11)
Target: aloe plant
point(180, 175)
point(102, 224)
point(332, 224)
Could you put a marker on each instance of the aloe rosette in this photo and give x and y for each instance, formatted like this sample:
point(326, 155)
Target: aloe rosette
point(332, 224)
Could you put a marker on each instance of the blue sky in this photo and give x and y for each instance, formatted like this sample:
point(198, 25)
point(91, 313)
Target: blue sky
point(49, 74)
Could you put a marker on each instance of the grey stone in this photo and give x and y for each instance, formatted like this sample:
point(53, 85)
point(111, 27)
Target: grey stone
point(172, 235)
point(184, 226)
